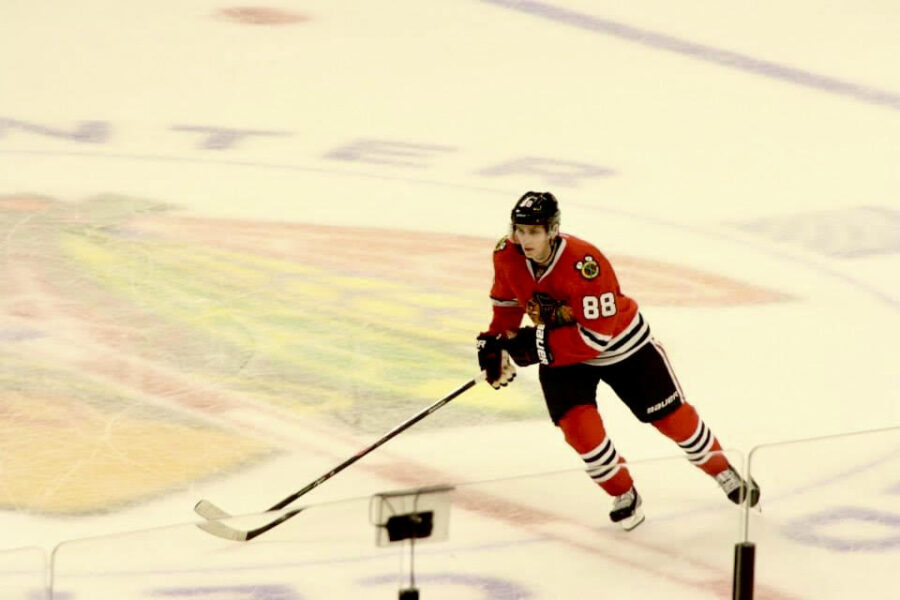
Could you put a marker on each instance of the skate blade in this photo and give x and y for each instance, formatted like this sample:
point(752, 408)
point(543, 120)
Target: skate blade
point(633, 521)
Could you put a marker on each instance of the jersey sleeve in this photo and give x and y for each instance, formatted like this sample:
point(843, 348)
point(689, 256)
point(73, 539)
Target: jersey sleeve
point(603, 315)
point(507, 310)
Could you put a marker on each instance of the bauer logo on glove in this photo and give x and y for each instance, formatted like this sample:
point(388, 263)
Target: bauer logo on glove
point(529, 346)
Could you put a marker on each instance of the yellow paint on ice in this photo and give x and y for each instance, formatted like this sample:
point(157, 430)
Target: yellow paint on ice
point(67, 457)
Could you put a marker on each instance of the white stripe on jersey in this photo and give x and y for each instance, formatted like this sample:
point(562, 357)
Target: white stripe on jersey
point(604, 342)
point(499, 302)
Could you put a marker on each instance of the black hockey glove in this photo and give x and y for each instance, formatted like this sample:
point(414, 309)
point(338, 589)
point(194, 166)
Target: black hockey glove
point(529, 346)
point(494, 360)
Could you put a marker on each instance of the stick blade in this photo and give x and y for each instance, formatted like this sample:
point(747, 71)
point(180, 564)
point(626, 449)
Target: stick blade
point(213, 515)
point(219, 529)
point(210, 511)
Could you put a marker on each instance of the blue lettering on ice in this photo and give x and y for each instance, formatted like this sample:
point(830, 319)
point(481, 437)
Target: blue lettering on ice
point(386, 152)
point(555, 172)
point(223, 138)
point(492, 588)
point(234, 592)
point(92, 132)
point(811, 530)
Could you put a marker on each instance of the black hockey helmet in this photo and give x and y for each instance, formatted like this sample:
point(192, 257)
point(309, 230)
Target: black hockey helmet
point(536, 208)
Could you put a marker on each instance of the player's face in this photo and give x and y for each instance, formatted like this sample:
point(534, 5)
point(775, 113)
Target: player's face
point(535, 241)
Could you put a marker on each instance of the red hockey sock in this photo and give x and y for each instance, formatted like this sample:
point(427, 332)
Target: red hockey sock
point(584, 431)
point(685, 428)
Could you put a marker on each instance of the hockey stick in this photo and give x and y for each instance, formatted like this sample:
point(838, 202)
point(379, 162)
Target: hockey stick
point(214, 515)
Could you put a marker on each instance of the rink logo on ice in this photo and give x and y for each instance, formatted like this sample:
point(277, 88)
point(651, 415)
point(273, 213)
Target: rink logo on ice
point(160, 334)
point(15, 334)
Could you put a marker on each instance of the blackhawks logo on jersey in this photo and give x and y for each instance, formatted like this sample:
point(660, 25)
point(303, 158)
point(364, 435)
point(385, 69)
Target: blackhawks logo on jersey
point(501, 243)
point(544, 309)
point(588, 267)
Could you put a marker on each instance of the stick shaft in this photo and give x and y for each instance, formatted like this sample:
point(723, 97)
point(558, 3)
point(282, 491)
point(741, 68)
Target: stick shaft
point(214, 515)
point(377, 443)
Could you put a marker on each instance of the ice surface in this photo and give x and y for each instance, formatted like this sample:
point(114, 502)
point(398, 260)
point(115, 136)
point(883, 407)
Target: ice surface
point(240, 243)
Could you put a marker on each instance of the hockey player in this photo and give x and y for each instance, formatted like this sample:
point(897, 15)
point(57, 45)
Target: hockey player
point(586, 331)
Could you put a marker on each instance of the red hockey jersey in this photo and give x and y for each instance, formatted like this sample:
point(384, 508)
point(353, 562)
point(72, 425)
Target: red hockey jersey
point(577, 297)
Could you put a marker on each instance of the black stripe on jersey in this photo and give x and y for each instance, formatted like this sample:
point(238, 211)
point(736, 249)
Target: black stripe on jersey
point(642, 339)
point(630, 335)
point(588, 333)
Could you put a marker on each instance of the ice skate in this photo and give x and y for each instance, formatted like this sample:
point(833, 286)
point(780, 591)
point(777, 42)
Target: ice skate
point(626, 510)
point(736, 488)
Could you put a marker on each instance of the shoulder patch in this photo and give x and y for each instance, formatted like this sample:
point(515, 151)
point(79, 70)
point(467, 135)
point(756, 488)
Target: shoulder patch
point(588, 267)
point(501, 244)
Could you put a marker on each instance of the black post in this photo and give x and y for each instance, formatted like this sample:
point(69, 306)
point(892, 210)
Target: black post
point(744, 563)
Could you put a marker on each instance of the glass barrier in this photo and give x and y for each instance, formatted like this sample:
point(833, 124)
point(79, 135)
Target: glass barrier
point(316, 554)
point(829, 525)
point(23, 573)
point(538, 536)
